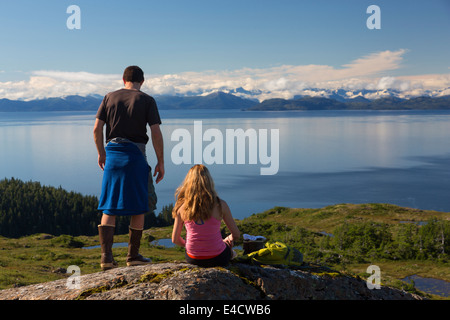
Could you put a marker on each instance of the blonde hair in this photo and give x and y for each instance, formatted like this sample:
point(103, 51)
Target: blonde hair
point(197, 194)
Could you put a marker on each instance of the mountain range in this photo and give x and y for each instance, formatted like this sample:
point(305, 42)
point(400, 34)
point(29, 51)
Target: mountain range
point(222, 100)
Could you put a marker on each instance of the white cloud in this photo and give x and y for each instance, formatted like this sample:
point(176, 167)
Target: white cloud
point(374, 63)
point(369, 72)
point(392, 83)
point(76, 76)
point(43, 84)
point(286, 80)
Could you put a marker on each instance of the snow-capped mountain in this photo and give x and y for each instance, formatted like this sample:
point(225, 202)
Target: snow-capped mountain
point(239, 98)
point(341, 94)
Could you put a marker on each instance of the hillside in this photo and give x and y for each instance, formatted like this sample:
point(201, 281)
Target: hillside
point(349, 233)
point(328, 218)
point(344, 238)
point(46, 229)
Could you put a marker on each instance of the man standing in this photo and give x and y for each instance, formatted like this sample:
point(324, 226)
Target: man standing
point(127, 186)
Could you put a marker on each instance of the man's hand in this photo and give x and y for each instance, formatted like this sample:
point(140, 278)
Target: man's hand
point(101, 161)
point(159, 170)
point(98, 139)
point(158, 145)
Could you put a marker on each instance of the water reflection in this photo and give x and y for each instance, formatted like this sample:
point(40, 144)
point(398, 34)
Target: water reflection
point(430, 285)
point(325, 157)
point(167, 243)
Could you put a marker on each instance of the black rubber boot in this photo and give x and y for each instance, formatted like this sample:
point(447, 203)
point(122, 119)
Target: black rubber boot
point(106, 235)
point(134, 243)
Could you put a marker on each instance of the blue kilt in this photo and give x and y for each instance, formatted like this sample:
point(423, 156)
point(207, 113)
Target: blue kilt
point(125, 181)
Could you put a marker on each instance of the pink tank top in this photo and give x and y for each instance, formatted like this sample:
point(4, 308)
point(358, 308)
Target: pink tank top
point(203, 239)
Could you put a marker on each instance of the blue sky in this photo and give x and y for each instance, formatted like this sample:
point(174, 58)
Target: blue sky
point(190, 41)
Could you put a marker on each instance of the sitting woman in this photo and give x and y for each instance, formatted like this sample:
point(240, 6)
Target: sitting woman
point(201, 211)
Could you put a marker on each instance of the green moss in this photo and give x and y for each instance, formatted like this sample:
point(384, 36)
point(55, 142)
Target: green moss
point(114, 284)
point(86, 293)
point(327, 274)
point(153, 277)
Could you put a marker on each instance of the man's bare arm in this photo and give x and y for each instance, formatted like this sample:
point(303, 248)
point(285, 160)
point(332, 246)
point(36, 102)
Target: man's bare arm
point(158, 145)
point(98, 139)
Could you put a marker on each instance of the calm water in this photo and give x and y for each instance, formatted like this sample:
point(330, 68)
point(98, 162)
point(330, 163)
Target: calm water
point(325, 157)
point(430, 285)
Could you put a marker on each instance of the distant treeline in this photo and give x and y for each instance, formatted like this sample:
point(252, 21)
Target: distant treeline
point(360, 103)
point(28, 207)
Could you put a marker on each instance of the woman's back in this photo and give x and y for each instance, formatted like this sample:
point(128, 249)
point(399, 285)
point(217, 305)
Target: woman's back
point(203, 237)
point(201, 211)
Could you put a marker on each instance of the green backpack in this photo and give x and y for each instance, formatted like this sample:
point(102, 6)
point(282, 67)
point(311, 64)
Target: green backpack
point(277, 253)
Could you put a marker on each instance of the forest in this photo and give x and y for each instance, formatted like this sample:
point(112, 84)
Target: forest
point(28, 207)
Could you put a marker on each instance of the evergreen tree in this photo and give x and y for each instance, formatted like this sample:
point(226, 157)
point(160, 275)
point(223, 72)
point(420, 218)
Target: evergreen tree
point(28, 207)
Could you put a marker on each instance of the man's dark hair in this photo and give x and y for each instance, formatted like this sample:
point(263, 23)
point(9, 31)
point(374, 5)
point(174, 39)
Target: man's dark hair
point(133, 74)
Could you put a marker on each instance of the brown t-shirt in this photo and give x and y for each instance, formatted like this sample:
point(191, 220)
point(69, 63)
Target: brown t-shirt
point(127, 113)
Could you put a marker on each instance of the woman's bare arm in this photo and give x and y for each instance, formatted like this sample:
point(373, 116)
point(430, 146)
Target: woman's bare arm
point(230, 223)
point(176, 232)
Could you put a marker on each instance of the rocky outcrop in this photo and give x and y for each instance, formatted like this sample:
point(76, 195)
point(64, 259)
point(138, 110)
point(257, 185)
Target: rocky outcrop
point(181, 281)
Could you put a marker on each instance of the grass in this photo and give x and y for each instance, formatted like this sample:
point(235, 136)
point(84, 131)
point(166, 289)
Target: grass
point(41, 258)
point(327, 218)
